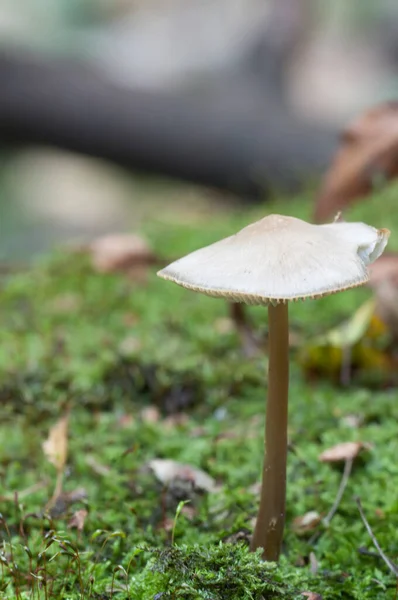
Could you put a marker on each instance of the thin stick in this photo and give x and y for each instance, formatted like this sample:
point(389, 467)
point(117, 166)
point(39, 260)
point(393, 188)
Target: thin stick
point(340, 492)
point(393, 568)
point(343, 484)
point(244, 329)
point(268, 532)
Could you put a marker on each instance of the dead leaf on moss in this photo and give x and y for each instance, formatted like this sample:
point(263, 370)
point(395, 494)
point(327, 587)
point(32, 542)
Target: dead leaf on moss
point(368, 155)
point(121, 252)
point(344, 451)
point(55, 448)
point(384, 268)
point(351, 331)
point(305, 523)
point(167, 471)
point(78, 519)
point(312, 595)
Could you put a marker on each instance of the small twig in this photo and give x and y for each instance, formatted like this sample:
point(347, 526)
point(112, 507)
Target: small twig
point(343, 484)
point(244, 329)
point(393, 568)
point(346, 365)
point(340, 492)
point(26, 492)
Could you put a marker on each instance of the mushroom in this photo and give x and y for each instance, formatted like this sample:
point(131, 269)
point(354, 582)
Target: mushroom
point(271, 262)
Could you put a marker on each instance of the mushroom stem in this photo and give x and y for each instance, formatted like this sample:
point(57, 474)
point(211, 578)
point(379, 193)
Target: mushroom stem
point(268, 532)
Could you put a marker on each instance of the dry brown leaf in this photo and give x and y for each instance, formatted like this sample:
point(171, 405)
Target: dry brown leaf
point(384, 282)
point(368, 152)
point(384, 269)
point(55, 447)
point(78, 519)
point(308, 522)
point(342, 452)
point(121, 252)
point(312, 595)
point(166, 471)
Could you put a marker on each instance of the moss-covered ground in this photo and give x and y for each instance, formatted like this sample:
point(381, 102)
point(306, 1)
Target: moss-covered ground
point(108, 349)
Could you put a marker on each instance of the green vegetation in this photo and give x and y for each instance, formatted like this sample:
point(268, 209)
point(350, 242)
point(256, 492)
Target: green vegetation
point(108, 348)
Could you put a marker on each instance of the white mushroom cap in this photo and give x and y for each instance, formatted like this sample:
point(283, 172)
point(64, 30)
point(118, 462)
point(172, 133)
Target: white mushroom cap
point(281, 258)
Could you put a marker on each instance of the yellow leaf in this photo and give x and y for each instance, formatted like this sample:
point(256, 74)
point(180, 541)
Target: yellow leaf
point(350, 332)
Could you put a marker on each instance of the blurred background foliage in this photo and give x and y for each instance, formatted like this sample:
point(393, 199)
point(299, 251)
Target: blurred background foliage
point(337, 59)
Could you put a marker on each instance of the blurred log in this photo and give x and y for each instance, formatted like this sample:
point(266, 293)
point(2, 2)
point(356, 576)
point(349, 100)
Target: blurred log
point(70, 105)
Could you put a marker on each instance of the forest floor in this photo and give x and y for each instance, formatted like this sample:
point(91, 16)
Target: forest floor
point(106, 378)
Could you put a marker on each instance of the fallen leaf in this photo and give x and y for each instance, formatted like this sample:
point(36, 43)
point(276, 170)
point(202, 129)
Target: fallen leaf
point(120, 252)
point(312, 595)
point(384, 268)
point(166, 471)
point(368, 154)
point(78, 519)
point(308, 522)
point(357, 347)
point(351, 331)
point(55, 447)
point(344, 451)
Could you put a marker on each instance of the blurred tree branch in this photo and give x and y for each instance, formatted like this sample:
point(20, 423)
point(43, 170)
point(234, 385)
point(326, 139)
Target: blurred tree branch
point(216, 142)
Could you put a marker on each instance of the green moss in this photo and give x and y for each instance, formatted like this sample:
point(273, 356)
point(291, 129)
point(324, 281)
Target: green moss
point(108, 347)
